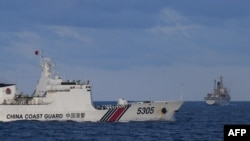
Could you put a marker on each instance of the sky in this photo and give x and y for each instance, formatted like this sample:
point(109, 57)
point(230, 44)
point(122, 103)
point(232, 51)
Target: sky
point(133, 49)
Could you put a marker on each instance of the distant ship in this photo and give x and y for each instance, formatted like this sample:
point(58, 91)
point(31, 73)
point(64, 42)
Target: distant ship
point(220, 96)
point(56, 99)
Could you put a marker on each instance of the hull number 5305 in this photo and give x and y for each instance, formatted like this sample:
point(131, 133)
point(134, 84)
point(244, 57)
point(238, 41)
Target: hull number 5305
point(145, 110)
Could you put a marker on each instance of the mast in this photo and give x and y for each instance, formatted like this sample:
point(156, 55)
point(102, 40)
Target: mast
point(221, 84)
point(46, 71)
point(215, 89)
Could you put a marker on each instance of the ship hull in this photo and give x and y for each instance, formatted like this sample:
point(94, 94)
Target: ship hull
point(56, 99)
point(162, 110)
point(217, 101)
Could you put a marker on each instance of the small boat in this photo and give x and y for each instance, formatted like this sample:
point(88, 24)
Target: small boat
point(220, 96)
point(60, 100)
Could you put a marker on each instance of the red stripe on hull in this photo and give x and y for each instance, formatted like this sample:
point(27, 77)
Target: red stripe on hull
point(117, 114)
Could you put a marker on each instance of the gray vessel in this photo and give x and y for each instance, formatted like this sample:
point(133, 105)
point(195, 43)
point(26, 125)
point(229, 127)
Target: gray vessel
point(220, 96)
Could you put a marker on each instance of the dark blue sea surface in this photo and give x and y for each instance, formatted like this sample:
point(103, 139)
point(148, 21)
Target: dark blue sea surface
point(195, 121)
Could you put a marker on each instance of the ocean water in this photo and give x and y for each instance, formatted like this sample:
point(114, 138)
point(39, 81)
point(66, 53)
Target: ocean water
point(195, 121)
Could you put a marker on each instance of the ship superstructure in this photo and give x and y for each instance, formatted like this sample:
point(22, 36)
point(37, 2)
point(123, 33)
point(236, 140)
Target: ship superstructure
point(220, 96)
point(56, 99)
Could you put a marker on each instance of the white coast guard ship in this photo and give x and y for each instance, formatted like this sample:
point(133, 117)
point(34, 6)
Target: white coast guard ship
point(220, 96)
point(55, 99)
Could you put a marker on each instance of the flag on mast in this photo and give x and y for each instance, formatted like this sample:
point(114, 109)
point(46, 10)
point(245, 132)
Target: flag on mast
point(37, 52)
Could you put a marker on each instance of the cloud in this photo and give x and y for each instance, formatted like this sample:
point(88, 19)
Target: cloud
point(172, 24)
point(131, 49)
point(71, 32)
point(27, 35)
point(173, 30)
point(21, 44)
point(170, 16)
